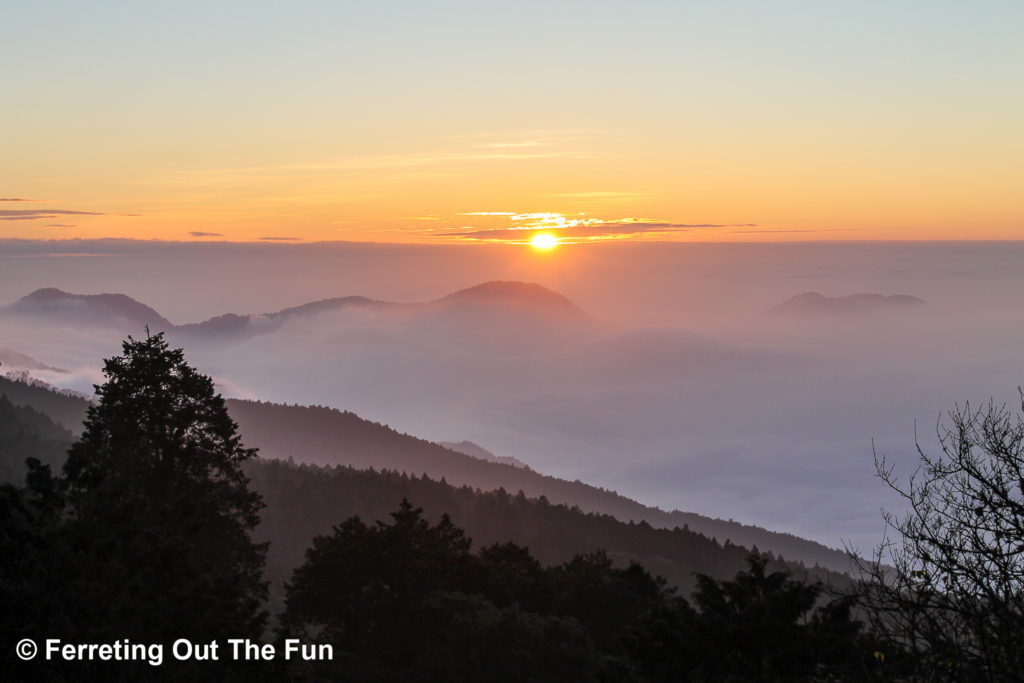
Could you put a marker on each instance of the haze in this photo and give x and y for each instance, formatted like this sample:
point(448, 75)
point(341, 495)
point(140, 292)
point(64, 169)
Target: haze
point(673, 384)
point(686, 167)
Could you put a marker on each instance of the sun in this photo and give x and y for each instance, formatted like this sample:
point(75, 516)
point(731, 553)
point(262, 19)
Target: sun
point(543, 240)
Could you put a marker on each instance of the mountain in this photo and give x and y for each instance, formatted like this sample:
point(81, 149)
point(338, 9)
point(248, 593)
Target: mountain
point(504, 293)
point(303, 501)
point(92, 309)
point(490, 309)
point(813, 303)
point(10, 360)
point(508, 318)
point(329, 438)
point(476, 451)
point(231, 324)
point(27, 433)
point(67, 409)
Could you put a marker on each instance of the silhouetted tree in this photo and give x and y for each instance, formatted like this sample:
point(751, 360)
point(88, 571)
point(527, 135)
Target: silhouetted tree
point(156, 492)
point(760, 626)
point(146, 534)
point(409, 601)
point(606, 600)
point(359, 586)
point(948, 584)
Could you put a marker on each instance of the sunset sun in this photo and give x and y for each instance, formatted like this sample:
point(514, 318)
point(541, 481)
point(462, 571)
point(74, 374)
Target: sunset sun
point(544, 241)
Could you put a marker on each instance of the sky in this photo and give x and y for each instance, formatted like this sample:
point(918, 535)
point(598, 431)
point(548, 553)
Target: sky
point(469, 122)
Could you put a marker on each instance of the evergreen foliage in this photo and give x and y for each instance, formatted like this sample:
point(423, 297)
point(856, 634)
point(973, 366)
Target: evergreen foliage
point(65, 408)
point(410, 601)
point(145, 533)
point(156, 493)
point(759, 626)
point(27, 433)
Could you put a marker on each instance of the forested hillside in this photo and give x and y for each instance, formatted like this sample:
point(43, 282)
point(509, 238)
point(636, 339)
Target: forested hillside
point(493, 502)
point(326, 436)
point(68, 410)
point(304, 501)
point(28, 433)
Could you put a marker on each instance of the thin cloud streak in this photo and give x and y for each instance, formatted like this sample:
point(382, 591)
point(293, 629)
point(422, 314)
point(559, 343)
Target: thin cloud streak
point(38, 214)
point(363, 163)
point(758, 232)
point(602, 194)
point(513, 145)
point(601, 230)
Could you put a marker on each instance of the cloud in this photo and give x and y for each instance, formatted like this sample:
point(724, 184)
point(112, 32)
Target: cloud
point(602, 194)
point(422, 163)
point(281, 239)
point(59, 225)
point(593, 230)
point(758, 232)
point(507, 145)
point(37, 214)
point(198, 233)
point(17, 199)
point(40, 214)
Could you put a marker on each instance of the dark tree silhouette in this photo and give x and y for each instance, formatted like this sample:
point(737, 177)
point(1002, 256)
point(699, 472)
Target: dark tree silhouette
point(158, 500)
point(409, 601)
point(145, 534)
point(948, 583)
point(760, 626)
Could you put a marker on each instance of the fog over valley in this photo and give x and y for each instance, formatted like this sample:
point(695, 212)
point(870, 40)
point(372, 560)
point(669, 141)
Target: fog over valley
point(706, 378)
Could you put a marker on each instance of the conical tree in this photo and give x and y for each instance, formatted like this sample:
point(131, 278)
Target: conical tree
point(159, 507)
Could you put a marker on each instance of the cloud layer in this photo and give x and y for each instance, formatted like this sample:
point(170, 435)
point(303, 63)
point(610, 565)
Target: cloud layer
point(527, 225)
point(38, 214)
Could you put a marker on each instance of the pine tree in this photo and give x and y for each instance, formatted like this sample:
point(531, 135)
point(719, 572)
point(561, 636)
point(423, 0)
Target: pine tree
point(158, 507)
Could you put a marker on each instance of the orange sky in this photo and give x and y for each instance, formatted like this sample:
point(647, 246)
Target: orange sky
point(442, 122)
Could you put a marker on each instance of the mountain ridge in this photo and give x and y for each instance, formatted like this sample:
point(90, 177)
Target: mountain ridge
point(92, 308)
point(815, 303)
point(325, 436)
point(115, 308)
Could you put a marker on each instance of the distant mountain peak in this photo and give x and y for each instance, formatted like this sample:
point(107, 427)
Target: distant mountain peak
point(479, 307)
point(512, 292)
point(93, 308)
point(480, 453)
point(332, 304)
point(46, 294)
point(815, 303)
point(10, 359)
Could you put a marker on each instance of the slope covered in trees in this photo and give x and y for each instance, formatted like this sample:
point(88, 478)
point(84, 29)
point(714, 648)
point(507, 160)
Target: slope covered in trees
point(407, 600)
point(145, 530)
point(325, 436)
point(304, 501)
point(28, 433)
point(65, 409)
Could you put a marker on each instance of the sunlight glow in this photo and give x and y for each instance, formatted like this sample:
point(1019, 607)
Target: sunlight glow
point(544, 240)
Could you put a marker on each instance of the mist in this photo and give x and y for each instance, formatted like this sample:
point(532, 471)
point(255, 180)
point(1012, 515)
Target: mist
point(674, 383)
